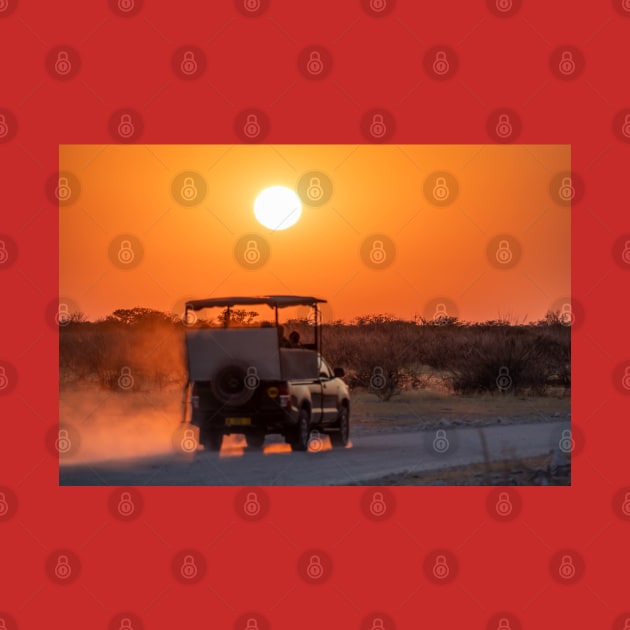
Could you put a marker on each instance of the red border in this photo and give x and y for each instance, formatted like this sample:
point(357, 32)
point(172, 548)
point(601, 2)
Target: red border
point(252, 62)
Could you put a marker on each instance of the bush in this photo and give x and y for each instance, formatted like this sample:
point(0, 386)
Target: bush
point(121, 353)
point(379, 353)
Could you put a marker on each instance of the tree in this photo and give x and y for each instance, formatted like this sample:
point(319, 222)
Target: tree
point(237, 317)
point(137, 315)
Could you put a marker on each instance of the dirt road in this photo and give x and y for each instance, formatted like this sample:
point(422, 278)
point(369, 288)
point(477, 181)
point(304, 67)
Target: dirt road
point(369, 457)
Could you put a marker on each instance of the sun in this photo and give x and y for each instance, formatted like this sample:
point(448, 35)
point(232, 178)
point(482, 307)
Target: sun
point(277, 208)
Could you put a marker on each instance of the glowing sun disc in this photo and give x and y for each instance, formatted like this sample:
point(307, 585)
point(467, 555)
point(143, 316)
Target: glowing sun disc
point(277, 208)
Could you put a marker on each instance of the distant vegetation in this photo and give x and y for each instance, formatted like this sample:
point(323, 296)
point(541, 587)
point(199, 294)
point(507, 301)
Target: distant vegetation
point(143, 349)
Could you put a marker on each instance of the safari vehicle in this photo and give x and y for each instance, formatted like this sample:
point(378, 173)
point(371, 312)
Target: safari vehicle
point(246, 380)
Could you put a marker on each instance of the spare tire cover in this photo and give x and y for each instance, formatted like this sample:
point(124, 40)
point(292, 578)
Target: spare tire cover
point(229, 385)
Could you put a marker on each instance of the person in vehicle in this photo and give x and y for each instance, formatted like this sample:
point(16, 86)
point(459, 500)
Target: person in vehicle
point(284, 342)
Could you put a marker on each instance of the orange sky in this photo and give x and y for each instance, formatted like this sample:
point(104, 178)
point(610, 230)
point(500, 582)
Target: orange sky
point(435, 254)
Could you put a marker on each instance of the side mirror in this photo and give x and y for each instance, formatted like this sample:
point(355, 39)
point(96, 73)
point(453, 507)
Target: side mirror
point(339, 372)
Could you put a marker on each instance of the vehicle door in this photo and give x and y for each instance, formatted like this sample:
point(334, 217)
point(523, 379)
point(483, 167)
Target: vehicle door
point(330, 391)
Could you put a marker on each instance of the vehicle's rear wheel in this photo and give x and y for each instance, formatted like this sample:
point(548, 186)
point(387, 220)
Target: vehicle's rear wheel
point(341, 437)
point(302, 432)
point(212, 439)
point(255, 440)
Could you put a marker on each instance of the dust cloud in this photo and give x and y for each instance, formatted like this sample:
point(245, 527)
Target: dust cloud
point(105, 425)
point(109, 425)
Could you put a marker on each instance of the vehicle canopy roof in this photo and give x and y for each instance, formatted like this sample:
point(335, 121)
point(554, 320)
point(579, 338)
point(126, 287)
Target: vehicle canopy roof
point(273, 301)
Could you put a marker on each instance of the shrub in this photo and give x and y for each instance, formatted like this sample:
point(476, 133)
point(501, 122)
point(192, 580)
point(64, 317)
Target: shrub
point(379, 353)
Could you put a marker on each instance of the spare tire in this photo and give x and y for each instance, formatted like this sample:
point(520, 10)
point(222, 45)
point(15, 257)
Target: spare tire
point(230, 387)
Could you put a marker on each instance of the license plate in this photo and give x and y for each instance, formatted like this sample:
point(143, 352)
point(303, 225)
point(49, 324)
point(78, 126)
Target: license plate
point(238, 422)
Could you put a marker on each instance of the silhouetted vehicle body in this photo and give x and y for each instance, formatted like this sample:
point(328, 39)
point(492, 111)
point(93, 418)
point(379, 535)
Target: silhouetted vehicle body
point(247, 381)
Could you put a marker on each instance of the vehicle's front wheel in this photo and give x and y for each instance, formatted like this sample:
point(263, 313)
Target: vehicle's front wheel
point(302, 432)
point(341, 437)
point(212, 439)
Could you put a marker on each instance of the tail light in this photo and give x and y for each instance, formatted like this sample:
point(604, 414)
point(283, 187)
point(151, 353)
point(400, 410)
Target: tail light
point(195, 402)
point(284, 397)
